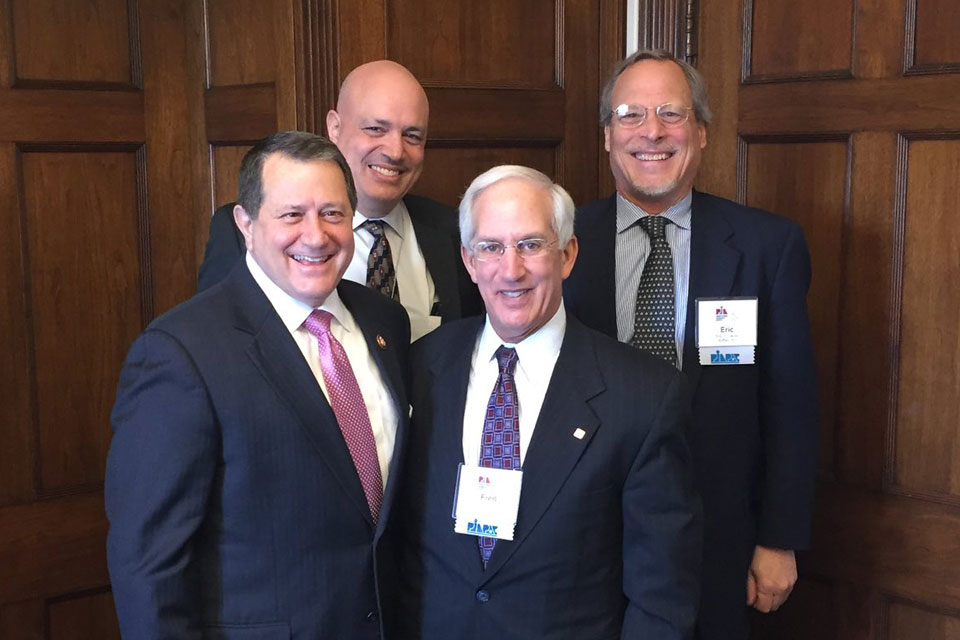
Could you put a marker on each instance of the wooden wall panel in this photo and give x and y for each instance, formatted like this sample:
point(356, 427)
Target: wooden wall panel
point(807, 181)
point(225, 161)
point(23, 620)
point(787, 38)
point(72, 42)
point(244, 42)
point(468, 43)
point(935, 36)
point(928, 400)
point(84, 616)
point(908, 622)
point(448, 171)
point(84, 296)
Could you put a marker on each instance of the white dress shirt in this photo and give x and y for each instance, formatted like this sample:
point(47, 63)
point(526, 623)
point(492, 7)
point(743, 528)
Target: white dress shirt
point(417, 293)
point(536, 358)
point(380, 405)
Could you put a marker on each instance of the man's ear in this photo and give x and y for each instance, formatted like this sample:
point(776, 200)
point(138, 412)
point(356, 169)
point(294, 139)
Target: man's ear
point(333, 125)
point(245, 223)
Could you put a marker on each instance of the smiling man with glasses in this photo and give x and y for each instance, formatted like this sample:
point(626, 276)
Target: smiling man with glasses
point(676, 272)
point(564, 448)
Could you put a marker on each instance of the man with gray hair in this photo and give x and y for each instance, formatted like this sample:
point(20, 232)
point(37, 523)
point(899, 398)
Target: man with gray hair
point(719, 291)
point(569, 484)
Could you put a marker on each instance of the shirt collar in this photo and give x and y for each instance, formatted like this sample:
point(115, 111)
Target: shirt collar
point(396, 219)
point(542, 344)
point(293, 312)
point(628, 214)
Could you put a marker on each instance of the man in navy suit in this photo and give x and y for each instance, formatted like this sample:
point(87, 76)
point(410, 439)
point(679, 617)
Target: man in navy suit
point(607, 535)
point(258, 427)
point(753, 433)
point(380, 125)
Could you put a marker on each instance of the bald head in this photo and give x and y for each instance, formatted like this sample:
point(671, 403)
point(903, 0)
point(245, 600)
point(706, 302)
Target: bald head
point(380, 125)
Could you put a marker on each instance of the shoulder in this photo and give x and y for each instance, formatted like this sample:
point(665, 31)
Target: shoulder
point(744, 219)
point(446, 340)
point(428, 211)
point(619, 363)
point(591, 212)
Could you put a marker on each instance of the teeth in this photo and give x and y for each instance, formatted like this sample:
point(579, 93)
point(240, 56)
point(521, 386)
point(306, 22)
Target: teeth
point(513, 294)
point(310, 259)
point(392, 173)
point(651, 156)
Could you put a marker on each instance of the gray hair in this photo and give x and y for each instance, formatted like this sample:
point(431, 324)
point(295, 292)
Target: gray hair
point(698, 88)
point(296, 145)
point(563, 208)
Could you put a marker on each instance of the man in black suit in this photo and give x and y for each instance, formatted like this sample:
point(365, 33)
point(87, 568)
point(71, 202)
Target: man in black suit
point(607, 536)
point(258, 427)
point(753, 433)
point(380, 125)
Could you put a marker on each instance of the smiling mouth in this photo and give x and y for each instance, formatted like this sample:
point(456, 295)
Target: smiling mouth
point(302, 259)
point(653, 156)
point(384, 171)
point(514, 294)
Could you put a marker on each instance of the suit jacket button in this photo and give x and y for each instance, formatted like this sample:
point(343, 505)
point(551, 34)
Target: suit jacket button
point(371, 616)
point(483, 596)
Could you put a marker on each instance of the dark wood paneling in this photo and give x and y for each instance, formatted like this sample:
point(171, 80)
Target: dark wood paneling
point(28, 115)
point(786, 39)
point(240, 114)
point(22, 620)
point(53, 547)
point(879, 38)
point(362, 33)
point(806, 181)
point(448, 171)
point(243, 43)
point(909, 622)
point(935, 42)
point(72, 42)
point(928, 400)
point(908, 104)
point(83, 616)
point(18, 451)
point(226, 167)
point(83, 257)
point(479, 115)
point(468, 43)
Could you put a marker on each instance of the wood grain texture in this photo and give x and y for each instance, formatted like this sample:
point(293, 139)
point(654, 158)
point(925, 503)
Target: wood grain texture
point(240, 114)
point(87, 615)
point(879, 38)
point(226, 167)
point(73, 42)
point(362, 27)
point(23, 620)
point(84, 294)
point(71, 116)
point(789, 39)
point(928, 398)
point(501, 43)
point(496, 114)
point(935, 39)
point(909, 622)
point(17, 412)
point(807, 181)
point(53, 547)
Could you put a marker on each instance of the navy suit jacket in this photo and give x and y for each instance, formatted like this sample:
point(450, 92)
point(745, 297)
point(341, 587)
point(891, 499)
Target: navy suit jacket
point(607, 541)
point(235, 509)
point(434, 224)
point(753, 432)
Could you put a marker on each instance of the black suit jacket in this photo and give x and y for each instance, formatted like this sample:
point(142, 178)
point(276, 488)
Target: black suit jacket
point(434, 224)
point(607, 542)
point(753, 432)
point(235, 509)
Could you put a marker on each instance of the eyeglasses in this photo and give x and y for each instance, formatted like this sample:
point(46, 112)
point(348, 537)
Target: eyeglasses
point(527, 249)
point(634, 115)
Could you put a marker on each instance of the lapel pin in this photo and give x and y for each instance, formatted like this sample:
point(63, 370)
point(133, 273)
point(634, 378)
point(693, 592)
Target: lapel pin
point(578, 433)
point(381, 341)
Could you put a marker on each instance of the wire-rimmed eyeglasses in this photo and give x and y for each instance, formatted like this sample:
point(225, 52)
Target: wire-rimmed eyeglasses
point(527, 249)
point(634, 115)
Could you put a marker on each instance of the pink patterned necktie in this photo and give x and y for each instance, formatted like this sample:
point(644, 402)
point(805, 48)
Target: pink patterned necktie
point(500, 443)
point(348, 406)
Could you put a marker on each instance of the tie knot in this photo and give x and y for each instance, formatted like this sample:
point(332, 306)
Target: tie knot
point(654, 226)
point(375, 227)
point(507, 359)
point(318, 322)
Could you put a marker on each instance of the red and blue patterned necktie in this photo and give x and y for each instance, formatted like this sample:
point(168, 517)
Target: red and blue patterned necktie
point(500, 444)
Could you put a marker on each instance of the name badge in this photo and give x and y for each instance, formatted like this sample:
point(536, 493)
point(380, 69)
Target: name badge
point(726, 330)
point(487, 501)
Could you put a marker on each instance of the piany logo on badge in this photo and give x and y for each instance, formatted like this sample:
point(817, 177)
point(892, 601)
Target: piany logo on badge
point(486, 530)
point(721, 313)
point(724, 358)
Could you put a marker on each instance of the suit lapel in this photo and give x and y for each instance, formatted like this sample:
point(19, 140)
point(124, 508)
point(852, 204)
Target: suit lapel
point(713, 267)
point(554, 451)
point(274, 352)
point(435, 245)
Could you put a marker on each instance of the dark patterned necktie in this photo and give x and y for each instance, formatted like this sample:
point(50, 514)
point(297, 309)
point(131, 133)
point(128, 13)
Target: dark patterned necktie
point(346, 400)
point(653, 322)
point(500, 443)
point(381, 274)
